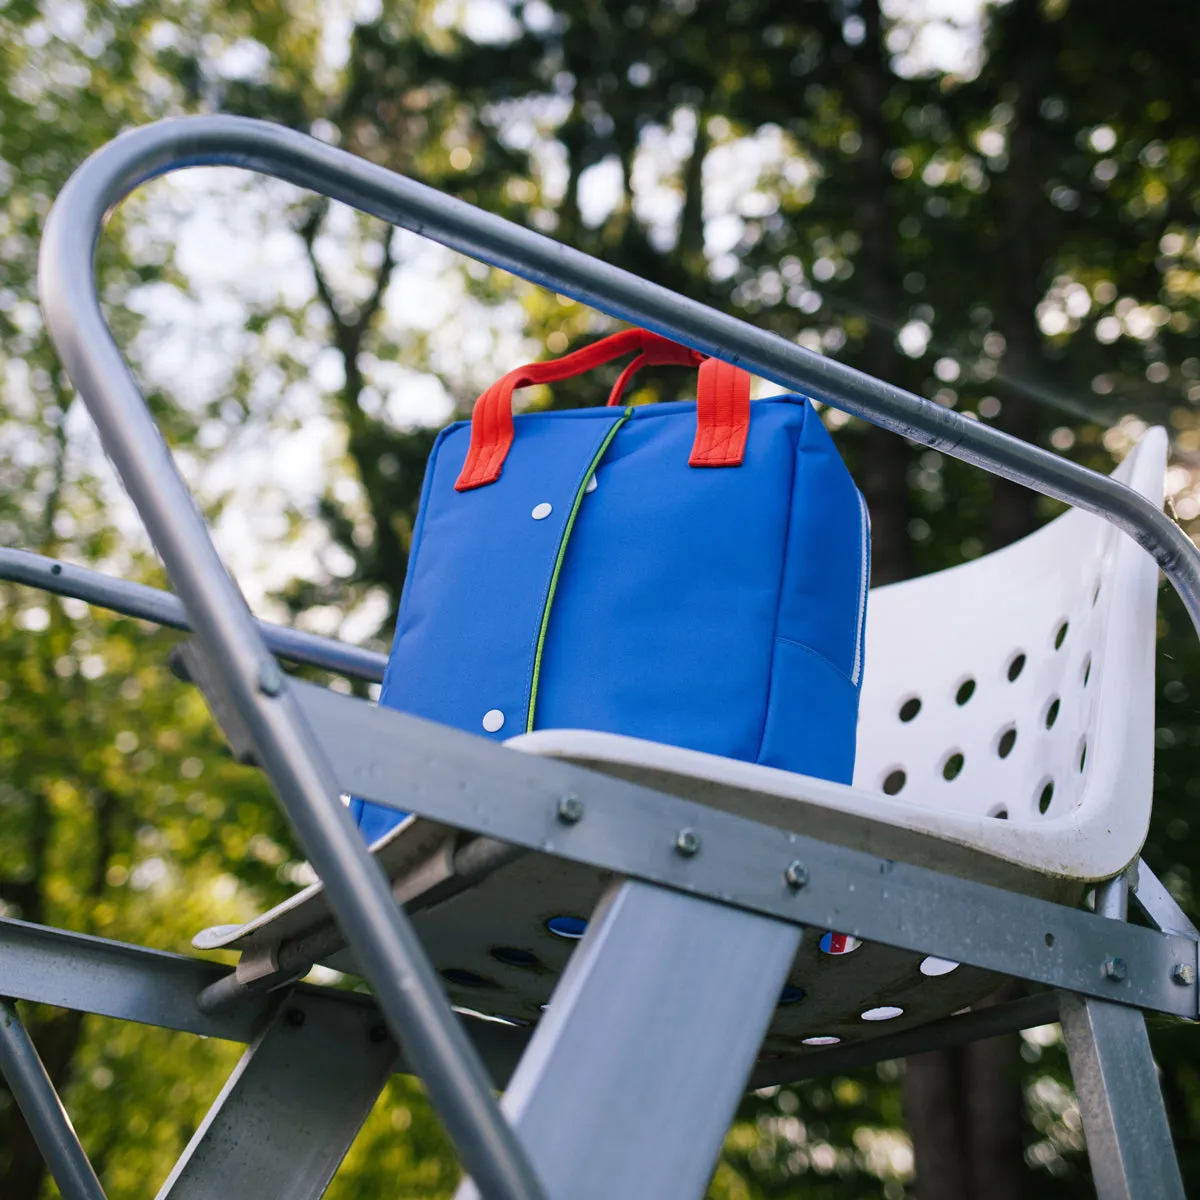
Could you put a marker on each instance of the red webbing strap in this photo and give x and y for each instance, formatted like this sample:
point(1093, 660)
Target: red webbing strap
point(722, 415)
point(492, 419)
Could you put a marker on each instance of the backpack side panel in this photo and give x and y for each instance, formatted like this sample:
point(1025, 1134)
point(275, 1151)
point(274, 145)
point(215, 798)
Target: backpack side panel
point(818, 653)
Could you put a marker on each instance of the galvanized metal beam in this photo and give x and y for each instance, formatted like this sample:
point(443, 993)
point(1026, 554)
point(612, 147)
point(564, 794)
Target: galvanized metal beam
point(471, 783)
point(1159, 905)
point(22, 1068)
point(1124, 1121)
point(634, 1073)
point(131, 983)
point(289, 1112)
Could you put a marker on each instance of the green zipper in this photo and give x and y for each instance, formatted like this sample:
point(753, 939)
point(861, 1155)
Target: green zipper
point(558, 562)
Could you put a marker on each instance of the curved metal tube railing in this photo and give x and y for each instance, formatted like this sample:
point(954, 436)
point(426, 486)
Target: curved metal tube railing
point(150, 604)
point(394, 963)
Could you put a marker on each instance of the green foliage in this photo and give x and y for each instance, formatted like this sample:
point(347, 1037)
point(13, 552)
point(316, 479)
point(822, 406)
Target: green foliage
point(1018, 242)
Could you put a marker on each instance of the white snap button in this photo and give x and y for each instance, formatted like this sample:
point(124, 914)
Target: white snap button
point(541, 511)
point(591, 485)
point(493, 720)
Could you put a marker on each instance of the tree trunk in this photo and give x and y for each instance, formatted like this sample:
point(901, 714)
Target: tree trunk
point(886, 457)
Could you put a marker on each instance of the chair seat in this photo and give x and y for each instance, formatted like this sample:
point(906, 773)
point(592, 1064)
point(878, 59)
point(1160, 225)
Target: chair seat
point(1018, 854)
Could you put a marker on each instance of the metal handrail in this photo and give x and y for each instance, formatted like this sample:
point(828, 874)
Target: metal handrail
point(152, 604)
point(392, 959)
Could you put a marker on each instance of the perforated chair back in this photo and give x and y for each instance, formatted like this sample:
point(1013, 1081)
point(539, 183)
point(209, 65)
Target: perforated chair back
point(1020, 686)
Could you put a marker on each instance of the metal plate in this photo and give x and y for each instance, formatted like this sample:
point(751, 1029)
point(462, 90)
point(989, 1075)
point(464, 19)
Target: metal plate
point(511, 909)
point(498, 956)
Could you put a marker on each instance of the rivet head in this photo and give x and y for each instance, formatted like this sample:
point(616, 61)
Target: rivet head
point(270, 678)
point(591, 485)
point(796, 876)
point(493, 720)
point(570, 810)
point(687, 843)
point(541, 511)
point(1115, 969)
point(1183, 974)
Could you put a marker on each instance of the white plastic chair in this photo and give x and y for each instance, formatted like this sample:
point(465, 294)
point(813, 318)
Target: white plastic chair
point(1007, 716)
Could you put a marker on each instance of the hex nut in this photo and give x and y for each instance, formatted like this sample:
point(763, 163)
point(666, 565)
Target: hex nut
point(1115, 969)
point(687, 843)
point(570, 810)
point(1183, 974)
point(796, 876)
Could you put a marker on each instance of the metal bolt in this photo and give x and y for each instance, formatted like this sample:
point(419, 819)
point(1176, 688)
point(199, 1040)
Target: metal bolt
point(378, 1034)
point(796, 876)
point(1183, 974)
point(687, 842)
point(270, 679)
point(1114, 969)
point(294, 1017)
point(570, 810)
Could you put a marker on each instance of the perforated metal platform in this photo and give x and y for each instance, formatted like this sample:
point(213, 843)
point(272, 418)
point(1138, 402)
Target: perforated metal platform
point(501, 943)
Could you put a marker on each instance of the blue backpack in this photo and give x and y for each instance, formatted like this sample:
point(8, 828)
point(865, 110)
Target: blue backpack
point(692, 573)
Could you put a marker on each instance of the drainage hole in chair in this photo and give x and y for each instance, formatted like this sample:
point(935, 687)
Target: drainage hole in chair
point(567, 927)
point(952, 767)
point(966, 690)
point(513, 956)
point(839, 943)
point(1000, 813)
point(1016, 665)
point(933, 967)
point(1082, 755)
point(824, 1040)
point(1052, 712)
point(1060, 635)
point(463, 978)
point(791, 995)
point(1050, 940)
point(909, 708)
point(1087, 670)
point(894, 781)
point(885, 1012)
point(1006, 741)
point(1046, 796)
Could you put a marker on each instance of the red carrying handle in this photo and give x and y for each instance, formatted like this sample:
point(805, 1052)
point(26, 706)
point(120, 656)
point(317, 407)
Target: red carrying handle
point(722, 402)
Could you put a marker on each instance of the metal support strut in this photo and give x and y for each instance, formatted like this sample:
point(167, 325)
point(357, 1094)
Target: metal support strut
point(288, 1113)
point(634, 1073)
point(34, 1093)
point(1120, 1102)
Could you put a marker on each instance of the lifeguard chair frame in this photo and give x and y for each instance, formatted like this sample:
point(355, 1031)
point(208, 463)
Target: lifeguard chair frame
point(693, 876)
